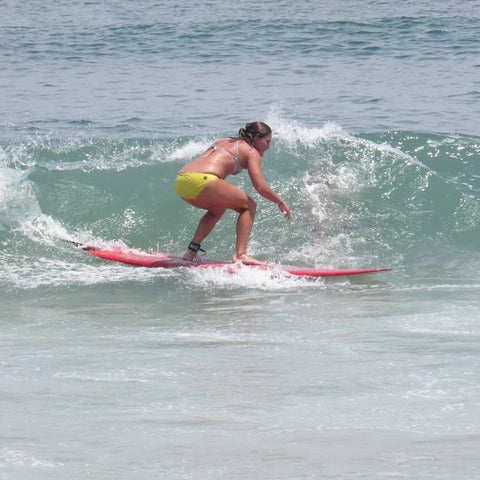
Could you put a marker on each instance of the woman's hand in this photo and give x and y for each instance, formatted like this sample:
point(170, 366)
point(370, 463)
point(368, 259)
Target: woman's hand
point(284, 208)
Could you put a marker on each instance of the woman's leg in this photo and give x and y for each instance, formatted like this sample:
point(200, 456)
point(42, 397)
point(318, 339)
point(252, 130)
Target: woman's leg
point(244, 227)
point(206, 224)
point(216, 197)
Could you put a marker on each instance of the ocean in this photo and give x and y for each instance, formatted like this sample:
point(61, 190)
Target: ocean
point(110, 371)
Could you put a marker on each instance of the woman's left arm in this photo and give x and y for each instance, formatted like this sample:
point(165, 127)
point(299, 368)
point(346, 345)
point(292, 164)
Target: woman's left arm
point(261, 186)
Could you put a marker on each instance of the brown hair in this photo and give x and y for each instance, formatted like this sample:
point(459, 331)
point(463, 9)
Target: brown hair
point(252, 130)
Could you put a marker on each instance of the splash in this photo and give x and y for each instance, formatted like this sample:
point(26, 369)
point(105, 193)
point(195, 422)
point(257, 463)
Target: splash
point(293, 133)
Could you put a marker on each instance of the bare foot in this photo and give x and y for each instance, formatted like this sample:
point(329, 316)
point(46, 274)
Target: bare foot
point(247, 260)
point(189, 255)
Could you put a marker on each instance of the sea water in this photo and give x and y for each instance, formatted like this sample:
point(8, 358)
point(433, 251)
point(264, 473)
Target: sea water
point(114, 372)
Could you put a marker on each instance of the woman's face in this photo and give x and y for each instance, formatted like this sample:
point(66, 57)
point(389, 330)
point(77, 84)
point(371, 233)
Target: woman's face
point(262, 144)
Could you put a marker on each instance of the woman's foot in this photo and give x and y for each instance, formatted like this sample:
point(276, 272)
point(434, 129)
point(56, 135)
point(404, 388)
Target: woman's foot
point(247, 260)
point(189, 255)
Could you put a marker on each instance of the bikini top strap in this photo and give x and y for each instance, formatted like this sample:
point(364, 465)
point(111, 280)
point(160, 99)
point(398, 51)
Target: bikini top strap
point(238, 165)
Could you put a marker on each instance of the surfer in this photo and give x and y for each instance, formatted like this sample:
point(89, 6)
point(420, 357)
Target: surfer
point(202, 184)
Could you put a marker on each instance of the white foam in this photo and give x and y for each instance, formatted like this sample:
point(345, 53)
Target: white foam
point(85, 154)
point(17, 198)
point(245, 277)
point(30, 274)
point(291, 132)
point(19, 208)
point(189, 151)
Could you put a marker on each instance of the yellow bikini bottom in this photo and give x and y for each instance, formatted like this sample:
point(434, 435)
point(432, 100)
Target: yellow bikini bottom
point(189, 185)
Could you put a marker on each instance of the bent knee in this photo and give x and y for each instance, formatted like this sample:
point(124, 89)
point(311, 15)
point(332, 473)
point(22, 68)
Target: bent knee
point(249, 205)
point(216, 212)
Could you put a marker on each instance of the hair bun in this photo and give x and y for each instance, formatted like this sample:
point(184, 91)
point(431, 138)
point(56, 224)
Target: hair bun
point(253, 129)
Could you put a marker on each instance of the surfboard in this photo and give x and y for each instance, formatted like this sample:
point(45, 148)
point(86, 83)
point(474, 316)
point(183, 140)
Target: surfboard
point(164, 260)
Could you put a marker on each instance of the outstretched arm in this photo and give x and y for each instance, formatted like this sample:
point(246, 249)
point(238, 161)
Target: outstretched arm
point(261, 186)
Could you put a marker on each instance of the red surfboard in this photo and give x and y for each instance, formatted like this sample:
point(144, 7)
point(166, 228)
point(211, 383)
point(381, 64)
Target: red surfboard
point(165, 260)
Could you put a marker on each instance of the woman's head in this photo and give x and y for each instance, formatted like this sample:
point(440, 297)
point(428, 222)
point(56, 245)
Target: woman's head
point(252, 130)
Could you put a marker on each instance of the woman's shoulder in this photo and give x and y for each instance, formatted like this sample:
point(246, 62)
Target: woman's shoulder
point(243, 145)
point(226, 140)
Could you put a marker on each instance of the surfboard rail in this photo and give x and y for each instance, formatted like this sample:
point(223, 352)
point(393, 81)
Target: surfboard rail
point(164, 260)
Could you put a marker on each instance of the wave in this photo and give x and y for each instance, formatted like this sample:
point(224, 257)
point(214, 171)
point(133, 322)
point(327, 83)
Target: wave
point(404, 199)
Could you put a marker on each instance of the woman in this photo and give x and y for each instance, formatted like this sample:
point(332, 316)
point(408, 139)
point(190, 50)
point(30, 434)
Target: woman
point(202, 184)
